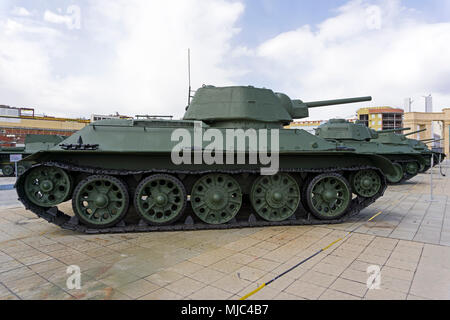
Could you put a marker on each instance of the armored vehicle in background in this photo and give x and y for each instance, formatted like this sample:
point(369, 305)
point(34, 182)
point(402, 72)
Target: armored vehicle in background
point(8, 167)
point(395, 139)
point(33, 143)
point(406, 159)
point(428, 154)
point(228, 163)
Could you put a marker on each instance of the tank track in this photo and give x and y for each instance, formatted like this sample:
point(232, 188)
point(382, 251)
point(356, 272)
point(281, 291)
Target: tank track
point(189, 221)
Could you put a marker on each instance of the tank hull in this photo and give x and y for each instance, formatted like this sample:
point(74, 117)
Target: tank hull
point(411, 161)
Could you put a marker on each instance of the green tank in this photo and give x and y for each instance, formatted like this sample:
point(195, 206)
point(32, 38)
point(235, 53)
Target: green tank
point(358, 136)
point(421, 146)
point(228, 163)
point(8, 167)
point(396, 139)
point(33, 143)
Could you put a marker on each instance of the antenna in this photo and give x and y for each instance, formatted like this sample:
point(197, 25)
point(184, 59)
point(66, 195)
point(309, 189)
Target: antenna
point(189, 77)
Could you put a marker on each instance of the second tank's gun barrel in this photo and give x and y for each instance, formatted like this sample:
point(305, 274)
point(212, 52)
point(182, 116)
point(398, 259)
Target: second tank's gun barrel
point(393, 130)
point(433, 141)
point(411, 133)
point(315, 104)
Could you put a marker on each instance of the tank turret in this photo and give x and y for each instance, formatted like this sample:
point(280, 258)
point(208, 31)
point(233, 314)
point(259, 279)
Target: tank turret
point(250, 106)
point(341, 129)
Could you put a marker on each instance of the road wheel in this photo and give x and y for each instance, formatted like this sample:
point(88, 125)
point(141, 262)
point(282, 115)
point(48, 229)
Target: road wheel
point(160, 199)
point(216, 198)
point(47, 186)
point(328, 196)
point(275, 198)
point(366, 183)
point(100, 201)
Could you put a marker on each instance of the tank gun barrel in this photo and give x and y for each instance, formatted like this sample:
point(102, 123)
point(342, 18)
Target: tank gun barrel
point(418, 131)
point(434, 141)
point(427, 139)
point(316, 104)
point(393, 130)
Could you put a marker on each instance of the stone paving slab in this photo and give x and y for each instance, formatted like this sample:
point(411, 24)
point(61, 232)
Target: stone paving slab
point(409, 242)
point(8, 197)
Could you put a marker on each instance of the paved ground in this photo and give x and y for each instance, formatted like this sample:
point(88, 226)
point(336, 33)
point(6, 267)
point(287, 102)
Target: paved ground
point(8, 196)
point(410, 242)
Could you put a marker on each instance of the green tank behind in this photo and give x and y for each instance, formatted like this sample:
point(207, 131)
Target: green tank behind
point(121, 175)
point(427, 153)
point(33, 143)
point(358, 136)
point(395, 139)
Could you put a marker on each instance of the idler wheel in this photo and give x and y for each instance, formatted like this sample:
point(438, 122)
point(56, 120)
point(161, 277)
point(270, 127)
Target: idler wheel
point(328, 196)
point(47, 186)
point(160, 199)
point(216, 198)
point(275, 198)
point(100, 201)
point(398, 176)
point(366, 183)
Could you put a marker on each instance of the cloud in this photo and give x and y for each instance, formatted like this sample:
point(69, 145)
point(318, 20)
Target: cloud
point(128, 56)
point(21, 12)
point(368, 48)
point(51, 17)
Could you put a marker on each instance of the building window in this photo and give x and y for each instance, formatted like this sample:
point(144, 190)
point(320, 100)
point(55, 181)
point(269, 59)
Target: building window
point(392, 121)
point(364, 118)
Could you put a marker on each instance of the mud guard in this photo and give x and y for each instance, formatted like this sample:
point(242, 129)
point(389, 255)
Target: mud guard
point(383, 163)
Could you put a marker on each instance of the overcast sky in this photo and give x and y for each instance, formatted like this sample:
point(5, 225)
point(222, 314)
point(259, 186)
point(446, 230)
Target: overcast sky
point(75, 58)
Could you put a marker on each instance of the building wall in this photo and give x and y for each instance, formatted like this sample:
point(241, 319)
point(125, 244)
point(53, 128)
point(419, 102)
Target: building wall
point(17, 135)
point(56, 124)
point(377, 117)
point(424, 120)
point(19, 127)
